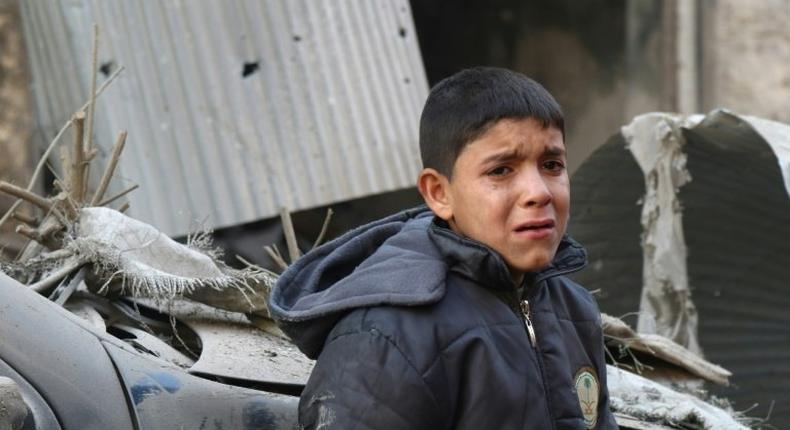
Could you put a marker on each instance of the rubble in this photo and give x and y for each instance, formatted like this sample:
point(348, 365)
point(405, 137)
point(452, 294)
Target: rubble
point(669, 352)
point(127, 278)
point(654, 405)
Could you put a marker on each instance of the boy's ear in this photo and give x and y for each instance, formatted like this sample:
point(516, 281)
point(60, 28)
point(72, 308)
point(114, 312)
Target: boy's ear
point(435, 190)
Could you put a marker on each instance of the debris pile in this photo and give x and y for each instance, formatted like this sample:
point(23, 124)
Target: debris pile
point(181, 304)
point(178, 303)
point(658, 382)
point(685, 222)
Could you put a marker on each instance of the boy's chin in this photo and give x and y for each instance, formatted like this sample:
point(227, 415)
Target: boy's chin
point(532, 263)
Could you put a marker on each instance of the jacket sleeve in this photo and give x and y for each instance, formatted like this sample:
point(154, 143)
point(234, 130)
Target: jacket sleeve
point(606, 419)
point(363, 381)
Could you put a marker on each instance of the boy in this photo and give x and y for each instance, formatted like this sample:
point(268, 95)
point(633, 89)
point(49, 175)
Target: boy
point(458, 317)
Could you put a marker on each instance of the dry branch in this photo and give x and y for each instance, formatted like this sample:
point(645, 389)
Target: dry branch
point(27, 219)
point(108, 172)
point(29, 232)
point(119, 195)
point(276, 257)
point(324, 228)
point(45, 156)
point(43, 234)
point(65, 161)
point(92, 112)
point(25, 195)
point(290, 234)
point(77, 173)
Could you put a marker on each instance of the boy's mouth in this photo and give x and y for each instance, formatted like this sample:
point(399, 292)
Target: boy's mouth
point(536, 228)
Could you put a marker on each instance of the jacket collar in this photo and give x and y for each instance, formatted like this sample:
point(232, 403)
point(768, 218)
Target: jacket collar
point(480, 263)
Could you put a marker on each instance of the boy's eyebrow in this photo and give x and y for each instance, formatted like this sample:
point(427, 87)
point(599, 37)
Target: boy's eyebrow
point(514, 154)
point(502, 157)
point(554, 151)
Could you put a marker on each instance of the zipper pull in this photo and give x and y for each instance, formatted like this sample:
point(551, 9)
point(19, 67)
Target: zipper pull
point(528, 322)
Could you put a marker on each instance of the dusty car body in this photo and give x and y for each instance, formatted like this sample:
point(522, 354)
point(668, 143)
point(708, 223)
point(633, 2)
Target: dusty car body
point(73, 376)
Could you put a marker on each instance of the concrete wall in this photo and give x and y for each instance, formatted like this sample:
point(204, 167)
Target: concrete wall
point(15, 112)
point(746, 57)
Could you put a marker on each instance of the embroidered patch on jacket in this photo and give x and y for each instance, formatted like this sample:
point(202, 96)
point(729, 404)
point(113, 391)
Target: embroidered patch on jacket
point(587, 388)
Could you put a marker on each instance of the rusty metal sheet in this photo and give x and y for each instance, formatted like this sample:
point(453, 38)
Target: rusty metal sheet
point(235, 109)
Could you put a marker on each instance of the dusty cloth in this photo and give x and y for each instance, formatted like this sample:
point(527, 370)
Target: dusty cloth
point(416, 327)
point(145, 262)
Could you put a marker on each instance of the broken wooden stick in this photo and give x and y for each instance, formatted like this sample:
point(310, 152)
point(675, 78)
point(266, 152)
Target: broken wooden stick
point(324, 228)
point(276, 257)
point(290, 234)
point(120, 142)
point(26, 195)
point(27, 219)
point(92, 112)
point(29, 232)
point(42, 235)
point(119, 195)
point(78, 163)
point(45, 156)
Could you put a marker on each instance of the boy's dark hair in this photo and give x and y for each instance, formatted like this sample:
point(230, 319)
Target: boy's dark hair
point(462, 107)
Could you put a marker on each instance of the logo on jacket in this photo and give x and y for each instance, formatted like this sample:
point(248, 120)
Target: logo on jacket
point(587, 389)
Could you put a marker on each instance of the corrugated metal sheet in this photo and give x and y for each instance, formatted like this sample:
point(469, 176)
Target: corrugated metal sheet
point(735, 222)
point(237, 108)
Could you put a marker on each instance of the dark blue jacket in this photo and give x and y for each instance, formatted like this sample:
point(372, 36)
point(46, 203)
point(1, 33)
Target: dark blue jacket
point(415, 327)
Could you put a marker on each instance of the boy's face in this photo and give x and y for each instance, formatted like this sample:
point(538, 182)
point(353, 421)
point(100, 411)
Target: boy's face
point(510, 191)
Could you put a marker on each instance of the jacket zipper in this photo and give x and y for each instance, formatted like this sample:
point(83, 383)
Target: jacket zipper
point(528, 322)
point(527, 317)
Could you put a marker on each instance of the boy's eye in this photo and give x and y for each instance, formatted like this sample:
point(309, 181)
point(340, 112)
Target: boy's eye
point(553, 166)
point(499, 171)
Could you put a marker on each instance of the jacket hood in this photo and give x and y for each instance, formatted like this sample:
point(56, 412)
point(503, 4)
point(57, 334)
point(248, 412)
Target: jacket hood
point(401, 260)
point(390, 261)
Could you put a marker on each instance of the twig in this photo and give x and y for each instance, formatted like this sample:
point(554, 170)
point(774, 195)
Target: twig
point(65, 161)
point(324, 228)
point(108, 172)
point(276, 257)
point(248, 263)
point(51, 146)
point(92, 112)
point(55, 277)
point(63, 200)
point(277, 252)
point(29, 232)
point(40, 235)
point(119, 195)
point(26, 195)
point(290, 234)
point(57, 254)
point(78, 158)
point(24, 218)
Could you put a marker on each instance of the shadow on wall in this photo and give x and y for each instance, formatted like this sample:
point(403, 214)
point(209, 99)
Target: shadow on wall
point(601, 59)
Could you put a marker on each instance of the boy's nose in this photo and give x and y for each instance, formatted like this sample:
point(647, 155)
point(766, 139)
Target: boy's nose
point(534, 190)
